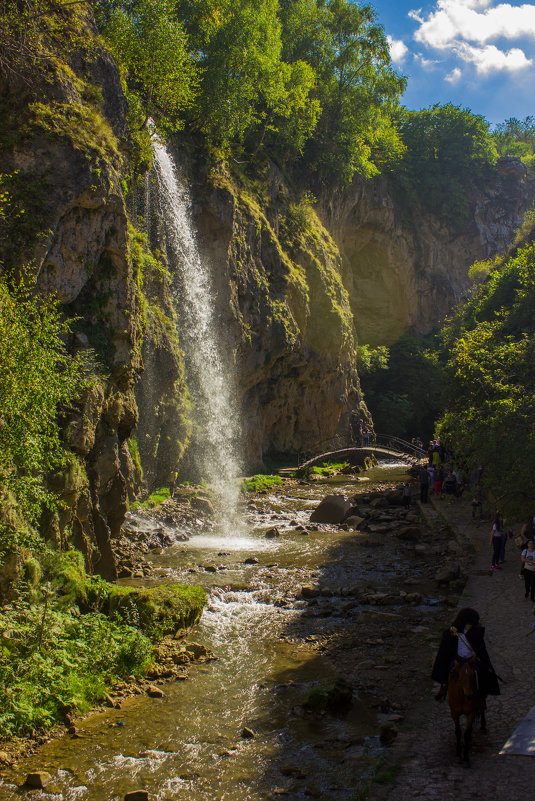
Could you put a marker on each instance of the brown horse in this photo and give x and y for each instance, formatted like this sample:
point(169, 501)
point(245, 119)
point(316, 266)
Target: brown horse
point(464, 700)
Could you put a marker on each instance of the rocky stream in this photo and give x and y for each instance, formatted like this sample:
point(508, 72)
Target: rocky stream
point(316, 640)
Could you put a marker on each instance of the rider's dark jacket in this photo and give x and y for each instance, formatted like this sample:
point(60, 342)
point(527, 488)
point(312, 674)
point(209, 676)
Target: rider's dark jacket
point(447, 651)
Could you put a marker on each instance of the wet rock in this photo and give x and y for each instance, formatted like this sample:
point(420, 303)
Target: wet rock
point(137, 795)
point(340, 696)
point(309, 591)
point(154, 692)
point(374, 616)
point(332, 509)
point(38, 780)
point(247, 733)
point(448, 573)
point(125, 572)
point(409, 533)
point(196, 650)
point(388, 733)
point(371, 540)
point(354, 521)
point(271, 533)
point(413, 598)
point(379, 503)
point(210, 568)
point(292, 771)
point(394, 498)
point(251, 560)
point(202, 505)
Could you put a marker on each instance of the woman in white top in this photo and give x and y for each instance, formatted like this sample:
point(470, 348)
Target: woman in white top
point(528, 565)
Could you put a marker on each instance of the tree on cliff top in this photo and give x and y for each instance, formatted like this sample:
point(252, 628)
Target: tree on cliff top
point(150, 45)
point(448, 150)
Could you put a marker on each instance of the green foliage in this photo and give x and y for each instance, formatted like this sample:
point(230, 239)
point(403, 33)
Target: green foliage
point(23, 215)
point(37, 375)
point(155, 499)
point(517, 138)
point(491, 380)
point(260, 481)
point(54, 660)
point(371, 359)
point(406, 397)
point(156, 610)
point(150, 45)
point(83, 126)
point(449, 150)
point(328, 468)
point(357, 88)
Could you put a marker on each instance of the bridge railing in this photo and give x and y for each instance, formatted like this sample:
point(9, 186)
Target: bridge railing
point(400, 445)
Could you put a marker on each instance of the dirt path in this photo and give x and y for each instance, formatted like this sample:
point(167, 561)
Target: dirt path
point(425, 749)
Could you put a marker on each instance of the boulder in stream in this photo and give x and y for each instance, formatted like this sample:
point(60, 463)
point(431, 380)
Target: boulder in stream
point(332, 509)
point(37, 780)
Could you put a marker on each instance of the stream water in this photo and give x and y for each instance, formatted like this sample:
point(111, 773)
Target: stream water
point(188, 744)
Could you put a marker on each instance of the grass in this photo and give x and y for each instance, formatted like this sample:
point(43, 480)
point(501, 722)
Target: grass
point(328, 468)
point(260, 481)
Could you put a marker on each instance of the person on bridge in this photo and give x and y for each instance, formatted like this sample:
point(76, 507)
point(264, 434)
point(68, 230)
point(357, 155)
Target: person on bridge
point(462, 641)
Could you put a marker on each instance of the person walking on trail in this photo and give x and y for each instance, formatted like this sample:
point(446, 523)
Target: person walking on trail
point(439, 482)
point(407, 496)
point(424, 485)
point(528, 569)
point(496, 541)
point(464, 640)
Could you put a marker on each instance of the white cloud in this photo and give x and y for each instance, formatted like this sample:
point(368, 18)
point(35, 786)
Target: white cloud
point(398, 49)
point(454, 76)
point(468, 27)
point(491, 59)
point(425, 62)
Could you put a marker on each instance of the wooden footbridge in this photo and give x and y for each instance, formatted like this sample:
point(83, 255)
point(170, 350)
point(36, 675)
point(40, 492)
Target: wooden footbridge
point(385, 447)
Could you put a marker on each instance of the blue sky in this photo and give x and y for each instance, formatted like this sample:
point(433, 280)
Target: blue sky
point(474, 53)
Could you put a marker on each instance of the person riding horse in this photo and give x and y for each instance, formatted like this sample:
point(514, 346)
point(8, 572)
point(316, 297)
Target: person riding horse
point(465, 640)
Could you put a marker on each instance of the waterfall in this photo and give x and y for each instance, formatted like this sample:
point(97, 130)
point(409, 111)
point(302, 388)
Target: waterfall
point(210, 379)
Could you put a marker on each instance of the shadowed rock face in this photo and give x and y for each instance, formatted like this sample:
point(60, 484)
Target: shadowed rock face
point(82, 255)
point(405, 269)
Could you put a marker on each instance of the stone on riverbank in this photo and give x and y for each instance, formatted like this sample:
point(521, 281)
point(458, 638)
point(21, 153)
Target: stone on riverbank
point(137, 795)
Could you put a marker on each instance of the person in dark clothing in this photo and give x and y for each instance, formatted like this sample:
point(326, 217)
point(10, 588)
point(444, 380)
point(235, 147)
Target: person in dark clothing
point(465, 639)
point(424, 485)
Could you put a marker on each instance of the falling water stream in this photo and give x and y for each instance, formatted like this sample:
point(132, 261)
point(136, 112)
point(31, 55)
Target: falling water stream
point(209, 375)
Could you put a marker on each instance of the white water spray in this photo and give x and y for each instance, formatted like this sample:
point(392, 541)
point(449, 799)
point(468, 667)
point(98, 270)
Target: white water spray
point(209, 379)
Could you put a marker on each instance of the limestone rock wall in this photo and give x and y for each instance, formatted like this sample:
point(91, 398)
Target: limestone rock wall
point(405, 269)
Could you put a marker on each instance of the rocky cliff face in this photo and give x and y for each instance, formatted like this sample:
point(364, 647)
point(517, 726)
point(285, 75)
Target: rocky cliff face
point(61, 154)
point(405, 269)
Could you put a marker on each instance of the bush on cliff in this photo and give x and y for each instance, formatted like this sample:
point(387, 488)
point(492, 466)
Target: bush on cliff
point(37, 376)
